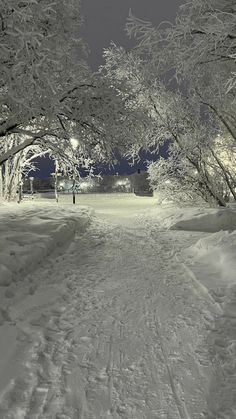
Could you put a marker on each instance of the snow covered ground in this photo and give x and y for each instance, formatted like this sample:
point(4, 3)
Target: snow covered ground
point(127, 318)
point(30, 232)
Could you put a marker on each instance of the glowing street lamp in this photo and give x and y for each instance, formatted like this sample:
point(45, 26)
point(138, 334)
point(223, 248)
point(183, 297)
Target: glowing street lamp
point(74, 143)
point(62, 184)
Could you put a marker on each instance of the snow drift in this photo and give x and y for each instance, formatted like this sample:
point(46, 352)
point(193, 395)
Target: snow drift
point(31, 232)
point(196, 219)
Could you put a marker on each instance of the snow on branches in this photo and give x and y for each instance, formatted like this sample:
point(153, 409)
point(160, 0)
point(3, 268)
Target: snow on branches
point(183, 77)
point(41, 58)
point(182, 119)
point(197, 52)
point(204, 33)
point(48, 95)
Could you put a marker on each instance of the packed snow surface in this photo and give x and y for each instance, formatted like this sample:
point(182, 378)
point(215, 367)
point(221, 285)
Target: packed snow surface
point(119, 316)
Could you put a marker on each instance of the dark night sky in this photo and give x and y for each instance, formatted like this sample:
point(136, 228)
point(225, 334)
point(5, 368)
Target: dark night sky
point(104, 21)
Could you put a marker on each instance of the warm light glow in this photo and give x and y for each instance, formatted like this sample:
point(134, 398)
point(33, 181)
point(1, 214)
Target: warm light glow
point(84, 185)
point(124, 182)
point(74, 143)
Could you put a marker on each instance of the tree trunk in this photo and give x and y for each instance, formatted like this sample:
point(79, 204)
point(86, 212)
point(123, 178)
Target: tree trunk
point(1, 183)
point(220, 117)
point(203, 176)
point(14, 177)
point(56, 180)
point(218, 199)
point(225, 174)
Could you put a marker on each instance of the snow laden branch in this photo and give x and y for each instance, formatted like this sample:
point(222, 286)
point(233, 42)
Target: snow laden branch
point(29, 140)
point(47, 92)
point(194, 161)
point(17, 167)
point(197, 54)
point(203, 32)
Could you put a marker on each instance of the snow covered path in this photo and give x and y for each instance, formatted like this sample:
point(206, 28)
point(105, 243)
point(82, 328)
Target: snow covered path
point(115, 326)
point(116, 329)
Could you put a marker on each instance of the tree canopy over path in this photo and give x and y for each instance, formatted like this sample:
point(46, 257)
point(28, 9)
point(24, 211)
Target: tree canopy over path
point(47, 92)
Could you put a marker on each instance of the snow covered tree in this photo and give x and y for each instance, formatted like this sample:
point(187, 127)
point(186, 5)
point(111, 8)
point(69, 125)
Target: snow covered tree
point(195, 100)
point(198, 51)
point(41, 60)
point(13, 171)
point(176, 180)
point(204, 33)
point(221, 161)
point(172, 115)
point(47, 92)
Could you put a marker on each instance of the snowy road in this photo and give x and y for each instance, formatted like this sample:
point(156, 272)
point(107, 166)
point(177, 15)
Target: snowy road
point(113, 327)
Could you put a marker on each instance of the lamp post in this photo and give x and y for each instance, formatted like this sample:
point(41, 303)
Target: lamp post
point(73, 190)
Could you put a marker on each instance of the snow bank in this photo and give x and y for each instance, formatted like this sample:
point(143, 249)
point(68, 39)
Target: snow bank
point(30, 232)
point(218, 251)
point(212, 260)
point(197, 219)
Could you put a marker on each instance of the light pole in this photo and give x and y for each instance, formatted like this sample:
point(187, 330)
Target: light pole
point(73, 190)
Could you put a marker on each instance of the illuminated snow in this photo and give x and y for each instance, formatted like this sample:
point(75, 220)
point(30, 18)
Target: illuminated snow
point(125, 319)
